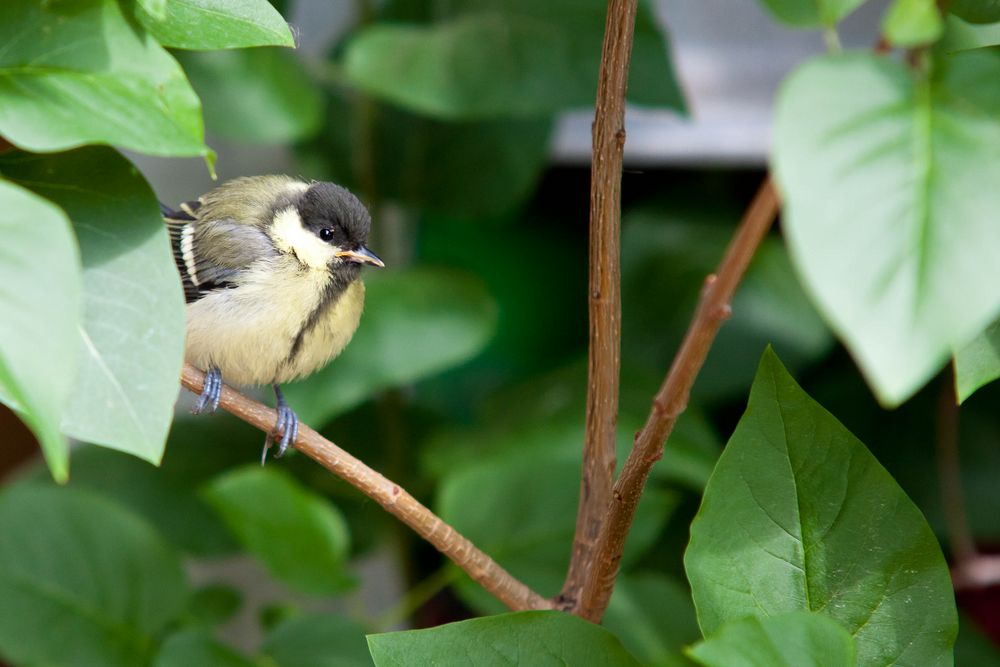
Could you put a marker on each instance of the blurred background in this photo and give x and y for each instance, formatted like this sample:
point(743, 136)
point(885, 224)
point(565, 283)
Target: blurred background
point(466, 380)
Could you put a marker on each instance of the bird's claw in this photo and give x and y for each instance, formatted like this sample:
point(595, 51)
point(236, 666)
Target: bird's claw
point(286, 429)
point(211, 392)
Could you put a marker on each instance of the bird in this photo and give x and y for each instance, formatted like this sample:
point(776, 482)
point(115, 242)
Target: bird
point(271, 269)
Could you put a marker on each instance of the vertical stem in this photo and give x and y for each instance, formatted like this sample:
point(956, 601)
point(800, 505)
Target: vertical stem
point(963, 547)
point(671, 400)
point(605, 297)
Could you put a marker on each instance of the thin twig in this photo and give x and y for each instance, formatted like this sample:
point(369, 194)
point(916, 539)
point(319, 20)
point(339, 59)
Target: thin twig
point(605, 293)
point(394, 499)
point(671, 400)
point(963, 547)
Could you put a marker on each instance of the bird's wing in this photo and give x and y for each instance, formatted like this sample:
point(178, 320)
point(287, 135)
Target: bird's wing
point(210, 254)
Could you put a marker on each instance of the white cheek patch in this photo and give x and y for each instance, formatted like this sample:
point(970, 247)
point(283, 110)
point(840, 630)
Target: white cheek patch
point(290, 236)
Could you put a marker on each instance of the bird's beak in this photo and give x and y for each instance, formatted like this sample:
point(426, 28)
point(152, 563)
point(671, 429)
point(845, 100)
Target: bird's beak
point(361, 255)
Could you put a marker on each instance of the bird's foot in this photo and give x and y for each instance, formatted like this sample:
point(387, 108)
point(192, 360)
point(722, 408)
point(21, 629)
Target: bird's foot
point(286, 428)
point(211, 392)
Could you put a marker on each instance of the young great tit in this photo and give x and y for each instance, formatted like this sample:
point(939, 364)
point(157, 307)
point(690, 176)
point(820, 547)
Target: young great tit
point(271, 269)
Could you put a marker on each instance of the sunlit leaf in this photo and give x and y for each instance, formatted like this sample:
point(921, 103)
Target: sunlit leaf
point(85, 566)
point(796, 639)
point(503, 640)
point(890, 172)
point(132, 339)
point(913, 22)
point(78, 72)
point(297, 534)
point(41, 304)
point(215, 24)
point(798, 515)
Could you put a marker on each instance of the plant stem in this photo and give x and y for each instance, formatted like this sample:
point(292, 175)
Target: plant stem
point(671, 400)
point(390, 496)
point(605, 293)
point(963, 547)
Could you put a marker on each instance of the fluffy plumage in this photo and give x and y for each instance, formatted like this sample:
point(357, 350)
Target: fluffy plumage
point(271, 269)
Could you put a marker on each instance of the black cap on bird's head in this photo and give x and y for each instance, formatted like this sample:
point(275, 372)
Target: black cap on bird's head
point(339, 218)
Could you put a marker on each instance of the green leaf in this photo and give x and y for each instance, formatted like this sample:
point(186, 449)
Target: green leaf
point(978, 363)
point(891, 171)
point(974, 648)
point(962, 36)
point(976, 11)
point(259, 96)
point(40, 301)
point(213, 604)
point(503, 640)
point(84, 568)
point(670, 251)
point(799, 515)
point(215, 24)
point(420, 159)
point(488, 58)
point(911, 23)
point(78, 72)
point(317, 640)
point(812, 13)
point(417, 323)
point(131, 344)
point(197, 648)
point(163, 496)
point(521, 510)
point(796, 639)
point(299, 536)
point(654, 617)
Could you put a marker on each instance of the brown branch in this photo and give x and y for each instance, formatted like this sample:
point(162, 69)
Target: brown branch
point(394, 499)
point(671, 400)
point(605, 293)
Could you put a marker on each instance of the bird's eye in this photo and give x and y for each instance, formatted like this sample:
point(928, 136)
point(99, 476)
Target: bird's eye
point(326, 234)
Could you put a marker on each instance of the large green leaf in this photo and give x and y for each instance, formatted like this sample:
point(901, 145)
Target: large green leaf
point(795, 639)
point(811, 13)
point(197, 648)
point(317, 640)
point(216, 24)
point(297, 534)
point(978, 363)
point(888, 176)
point(40, 301)
point(488, 58)
point(77, 72)
point(799, 515)
point(654, 617)
point(522, 511)
point(543, 637)
point(131, 344)
point(255, 96)
point(83, 570)
point(417, 323)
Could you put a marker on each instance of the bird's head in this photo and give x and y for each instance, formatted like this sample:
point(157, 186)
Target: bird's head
point(326, 227)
